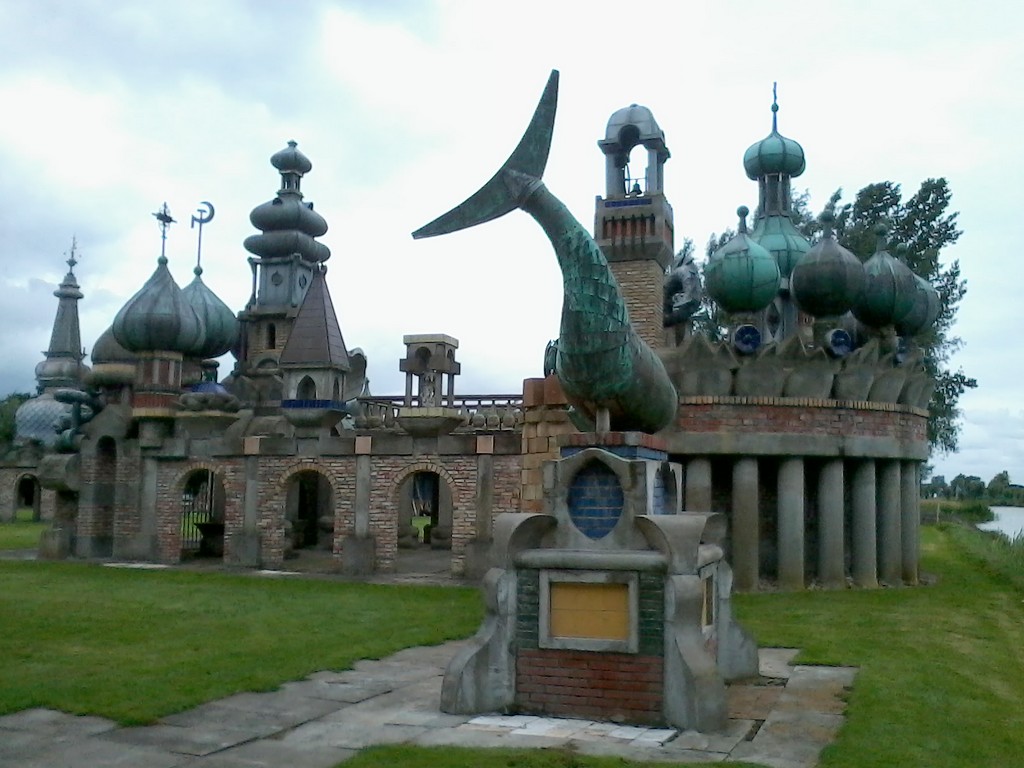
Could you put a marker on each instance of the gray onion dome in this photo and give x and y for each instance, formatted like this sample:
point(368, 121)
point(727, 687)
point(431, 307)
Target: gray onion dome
point(926, 304)
point(219, 322)
point(158, 317)
point(889, 288)
point(828, 279)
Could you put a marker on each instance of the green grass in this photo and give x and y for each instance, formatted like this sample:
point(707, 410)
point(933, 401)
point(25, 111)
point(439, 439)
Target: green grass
point(941, 680)
point(136, 645)
point(22, 533)
point(946, 510)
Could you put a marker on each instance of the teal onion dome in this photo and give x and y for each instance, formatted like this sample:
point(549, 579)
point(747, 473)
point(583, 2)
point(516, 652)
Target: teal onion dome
point(828, 280)
point(219, 322)
point(927, 303)
point(889, 288)
point(108, 350)
point(777, 235)
point(158, 317)
point(774, 154)
point(742, 276)
point(291, 160)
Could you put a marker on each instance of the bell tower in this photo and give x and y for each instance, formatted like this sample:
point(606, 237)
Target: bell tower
point(633, 222)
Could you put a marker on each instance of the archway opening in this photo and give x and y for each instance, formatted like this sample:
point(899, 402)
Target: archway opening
point(27, 500)
point(424, 523)
point(309, 513)
point(306, 389)
point(202, 515)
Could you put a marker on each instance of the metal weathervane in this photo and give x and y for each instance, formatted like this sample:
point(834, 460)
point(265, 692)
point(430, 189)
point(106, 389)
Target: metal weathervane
point(163, 216)
point(203, 215)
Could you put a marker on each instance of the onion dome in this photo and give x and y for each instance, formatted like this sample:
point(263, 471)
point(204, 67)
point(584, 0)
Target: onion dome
point(108, 350)
point(927, 303)
point(774, 154)
point(288, 225)
point(828, 279)
point(741, 275)
point(41, 420)
point(889, 288)
point(219, 322)
point(777, 235)
point(158, 317)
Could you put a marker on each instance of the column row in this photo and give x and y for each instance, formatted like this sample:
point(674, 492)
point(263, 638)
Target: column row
point(867, 518)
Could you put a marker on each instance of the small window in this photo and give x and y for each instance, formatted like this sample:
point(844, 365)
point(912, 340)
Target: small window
point(271, 336)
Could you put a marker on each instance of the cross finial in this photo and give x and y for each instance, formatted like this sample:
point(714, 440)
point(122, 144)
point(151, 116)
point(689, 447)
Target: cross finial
point(775, 106)
point(163, 216)
point(71, 255)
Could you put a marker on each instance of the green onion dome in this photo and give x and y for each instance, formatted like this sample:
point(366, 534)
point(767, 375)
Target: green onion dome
point(158, 317)
point(828, 280)
point(776, 234)
point(219, 322)
point(927, 303)
point(889, 288)
point(742, 276)
point(774, 154)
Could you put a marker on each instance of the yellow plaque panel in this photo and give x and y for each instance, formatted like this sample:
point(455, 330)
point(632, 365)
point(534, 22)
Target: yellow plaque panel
point(593, 611)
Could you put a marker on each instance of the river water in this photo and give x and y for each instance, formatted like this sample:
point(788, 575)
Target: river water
point(1009, 520)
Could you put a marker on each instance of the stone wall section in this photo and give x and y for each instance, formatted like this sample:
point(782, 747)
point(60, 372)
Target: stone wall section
point(545, 419)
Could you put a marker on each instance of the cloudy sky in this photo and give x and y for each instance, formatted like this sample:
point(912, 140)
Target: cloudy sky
point(404, 108)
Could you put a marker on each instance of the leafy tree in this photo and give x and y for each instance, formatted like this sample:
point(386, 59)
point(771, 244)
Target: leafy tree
point(925, 224)
point(7, 408)
point(999, 486)
point(967, 487)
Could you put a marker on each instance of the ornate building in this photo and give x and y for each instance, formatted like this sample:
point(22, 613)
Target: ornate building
point(805, 424)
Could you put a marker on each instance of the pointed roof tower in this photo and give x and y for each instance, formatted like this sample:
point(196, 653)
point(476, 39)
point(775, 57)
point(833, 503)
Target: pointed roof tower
point(315, 339)
point(63, 364)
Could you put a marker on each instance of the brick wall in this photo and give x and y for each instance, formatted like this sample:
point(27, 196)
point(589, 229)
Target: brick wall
point(545, 419)
point(171, 479)
point(608, 686)
point(642, 284)
point(624, 687)
point(801, 416)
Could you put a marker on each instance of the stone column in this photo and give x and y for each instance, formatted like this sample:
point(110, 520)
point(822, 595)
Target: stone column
point(791, 524)
point(865, 546)
point(745, 527)
point(890, 548)
point(832, 488)
point(910, 519)
point(358, 550)
point(831, 550)
point(245, 547)
point(698, 485)
point(477, 554)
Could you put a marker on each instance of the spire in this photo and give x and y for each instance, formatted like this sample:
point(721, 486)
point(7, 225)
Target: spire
point(163, 216)
point(62, 366)
point(775, 107)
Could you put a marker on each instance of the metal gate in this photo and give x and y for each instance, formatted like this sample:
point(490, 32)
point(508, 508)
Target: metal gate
point(196, 508)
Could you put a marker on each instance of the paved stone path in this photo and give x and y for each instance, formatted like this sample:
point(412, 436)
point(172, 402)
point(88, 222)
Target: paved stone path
point(782, 720)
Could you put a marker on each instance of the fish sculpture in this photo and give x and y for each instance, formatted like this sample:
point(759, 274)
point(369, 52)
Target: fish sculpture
point(610, 375)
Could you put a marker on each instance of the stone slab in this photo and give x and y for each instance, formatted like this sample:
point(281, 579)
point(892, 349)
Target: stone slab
point(90, 751)
point(776, 662)
point(268, 753)
point(193, 740)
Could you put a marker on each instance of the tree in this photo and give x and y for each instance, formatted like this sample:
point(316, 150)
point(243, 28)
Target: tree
point(8, 406)
point(967, 487)
point(999, 486)
point(924, 223)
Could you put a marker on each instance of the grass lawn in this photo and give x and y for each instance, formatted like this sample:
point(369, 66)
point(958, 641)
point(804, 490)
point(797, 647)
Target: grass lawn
point(22, 533)
point(136, 645)
point(941, 680)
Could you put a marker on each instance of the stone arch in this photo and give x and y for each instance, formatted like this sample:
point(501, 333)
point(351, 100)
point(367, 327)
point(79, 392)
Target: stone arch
point(306, 389)
point(451, 504)
point(200, 507)
point(306, 516)
point(28, 493)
